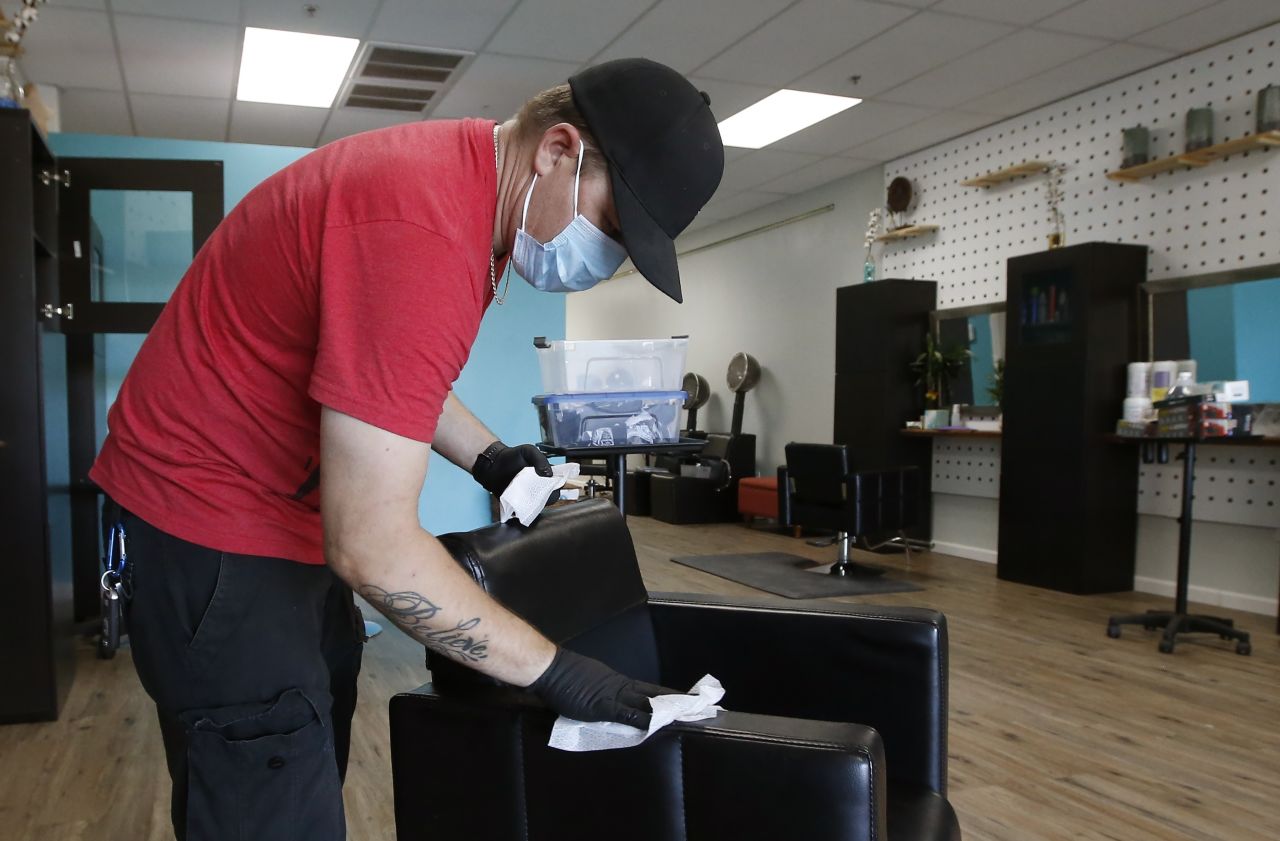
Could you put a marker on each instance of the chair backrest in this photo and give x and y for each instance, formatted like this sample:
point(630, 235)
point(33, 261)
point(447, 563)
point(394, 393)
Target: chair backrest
point(717, 446)
point(573, 575)
point(817, 473)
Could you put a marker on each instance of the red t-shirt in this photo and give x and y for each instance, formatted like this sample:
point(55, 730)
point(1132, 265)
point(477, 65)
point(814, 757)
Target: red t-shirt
point(355, 278)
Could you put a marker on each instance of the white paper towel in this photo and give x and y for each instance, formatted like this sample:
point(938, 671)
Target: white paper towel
point(700, 703)
point(527, 494)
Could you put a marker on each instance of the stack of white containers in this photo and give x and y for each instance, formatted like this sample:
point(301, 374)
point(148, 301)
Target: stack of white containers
point(611, 393)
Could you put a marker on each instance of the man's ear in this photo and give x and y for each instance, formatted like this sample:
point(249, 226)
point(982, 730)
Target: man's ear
point(558, 141)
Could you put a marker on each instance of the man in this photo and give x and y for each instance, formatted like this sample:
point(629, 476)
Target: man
point(321, 327)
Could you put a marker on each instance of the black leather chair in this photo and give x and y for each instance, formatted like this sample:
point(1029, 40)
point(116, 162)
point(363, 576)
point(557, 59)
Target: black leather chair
point(819, 489)
point(837, 729)
point(685, 500)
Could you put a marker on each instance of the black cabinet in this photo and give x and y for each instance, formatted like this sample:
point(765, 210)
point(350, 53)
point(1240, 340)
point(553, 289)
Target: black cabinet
point(880, 328)
point(1068, 500)
point(36, 656)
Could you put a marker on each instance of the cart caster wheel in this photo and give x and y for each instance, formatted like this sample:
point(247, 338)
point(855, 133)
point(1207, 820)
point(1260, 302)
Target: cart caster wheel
point(1166, 646)
point(1113, 631)
point(105, 652)
point(1244, 648)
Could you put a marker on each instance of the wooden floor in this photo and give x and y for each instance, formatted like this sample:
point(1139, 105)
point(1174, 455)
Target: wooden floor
point(1057, 732)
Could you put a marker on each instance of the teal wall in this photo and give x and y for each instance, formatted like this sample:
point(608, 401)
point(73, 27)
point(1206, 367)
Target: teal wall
point(982, 363)
point(1258, 338)
point(1211, 324)
point(1235, 335)
point(496, 384)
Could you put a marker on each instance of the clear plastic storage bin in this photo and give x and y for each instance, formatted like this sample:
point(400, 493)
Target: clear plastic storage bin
point(612, 365)
point(612, 419)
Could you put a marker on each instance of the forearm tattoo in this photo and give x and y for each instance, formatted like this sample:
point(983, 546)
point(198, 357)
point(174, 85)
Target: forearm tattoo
point(414, 613)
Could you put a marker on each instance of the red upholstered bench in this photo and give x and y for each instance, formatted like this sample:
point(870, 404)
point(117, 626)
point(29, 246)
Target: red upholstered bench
point(758, 497)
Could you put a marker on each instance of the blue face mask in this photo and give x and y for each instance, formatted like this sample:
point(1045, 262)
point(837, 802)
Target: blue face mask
point(577, 258)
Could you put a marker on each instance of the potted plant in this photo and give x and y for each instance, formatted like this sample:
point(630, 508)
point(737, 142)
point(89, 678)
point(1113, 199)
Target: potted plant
point(934, 368)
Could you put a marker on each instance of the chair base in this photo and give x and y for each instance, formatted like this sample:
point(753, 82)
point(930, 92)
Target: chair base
point(846, 567)
point(1181, 623)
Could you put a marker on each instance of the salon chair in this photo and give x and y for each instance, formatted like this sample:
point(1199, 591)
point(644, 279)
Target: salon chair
point(713, 498)
point(836, 729)
point(870, 508)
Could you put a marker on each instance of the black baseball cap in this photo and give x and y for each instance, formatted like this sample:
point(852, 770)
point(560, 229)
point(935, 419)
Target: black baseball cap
point(663, 149)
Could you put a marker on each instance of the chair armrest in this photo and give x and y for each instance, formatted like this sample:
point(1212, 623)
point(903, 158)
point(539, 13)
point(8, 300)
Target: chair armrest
point(478, 763)
point(784, 496)
point(885, 667)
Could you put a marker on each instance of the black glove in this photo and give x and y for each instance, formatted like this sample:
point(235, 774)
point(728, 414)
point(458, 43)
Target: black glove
point(588, 690)
point(498, 465)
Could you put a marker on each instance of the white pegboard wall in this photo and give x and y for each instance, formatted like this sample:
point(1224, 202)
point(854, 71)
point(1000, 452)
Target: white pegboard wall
point(966, 467)
point(1233, 484)
point(1217, 217)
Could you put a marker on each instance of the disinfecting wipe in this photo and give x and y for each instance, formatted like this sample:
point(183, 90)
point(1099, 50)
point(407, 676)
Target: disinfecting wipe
point(527, 494)
point(581, 736)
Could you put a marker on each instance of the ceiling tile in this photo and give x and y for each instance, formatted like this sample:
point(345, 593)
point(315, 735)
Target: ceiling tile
point(538, 27)
point(93, 112)
point(755, 168)
point(1006, 11)
point(344, 122)
point(685, 35)
point(914, 46)
point(1092, 70)
point(728, 98)
point(180, 117)
point(816, 175)
point(71, 48)
point(212, 11)
point(800, 39)
point(495, 86)
point(927, 132)
point(440, 23)
point(1118, 19)
point(177, 57)
point(1024, 53)
point(842, 133)
point(349, 19)
point(276, 125)
point(1209, 26)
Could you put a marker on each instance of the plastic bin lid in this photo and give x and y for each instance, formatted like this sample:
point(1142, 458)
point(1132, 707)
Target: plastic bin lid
point(607, 396)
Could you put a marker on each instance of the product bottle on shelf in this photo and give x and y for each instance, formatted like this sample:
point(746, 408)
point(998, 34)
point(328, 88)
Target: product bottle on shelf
point(10, 93)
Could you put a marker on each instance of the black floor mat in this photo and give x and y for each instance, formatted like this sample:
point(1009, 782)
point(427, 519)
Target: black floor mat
point(785, 575)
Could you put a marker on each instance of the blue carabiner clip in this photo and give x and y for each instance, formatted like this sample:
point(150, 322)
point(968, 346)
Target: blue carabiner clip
point(117, 558)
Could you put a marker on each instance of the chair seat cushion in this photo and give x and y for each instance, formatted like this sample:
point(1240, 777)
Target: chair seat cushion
point(758, 496)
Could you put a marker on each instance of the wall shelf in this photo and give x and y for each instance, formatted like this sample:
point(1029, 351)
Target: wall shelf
point(951, 432)
point(999, 176)
point(1198, 158)
point(906, 233)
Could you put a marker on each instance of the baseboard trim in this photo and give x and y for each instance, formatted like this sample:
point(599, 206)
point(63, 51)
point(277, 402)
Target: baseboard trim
point(960, 550)
point(1209, 595)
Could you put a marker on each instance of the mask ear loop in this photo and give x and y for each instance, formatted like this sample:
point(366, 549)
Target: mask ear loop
point(524, 216)
point(577, 175)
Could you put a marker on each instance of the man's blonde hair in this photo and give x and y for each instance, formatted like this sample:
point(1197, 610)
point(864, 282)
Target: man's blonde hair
point(551, 107)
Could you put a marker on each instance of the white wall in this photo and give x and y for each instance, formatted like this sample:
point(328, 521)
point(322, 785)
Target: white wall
point(771, 294)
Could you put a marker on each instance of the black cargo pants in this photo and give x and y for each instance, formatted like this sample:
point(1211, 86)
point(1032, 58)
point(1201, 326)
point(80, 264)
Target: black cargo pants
point(252, 664)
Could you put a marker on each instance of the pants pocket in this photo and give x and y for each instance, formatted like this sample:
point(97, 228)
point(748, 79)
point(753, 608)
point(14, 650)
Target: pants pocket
point(263, 772)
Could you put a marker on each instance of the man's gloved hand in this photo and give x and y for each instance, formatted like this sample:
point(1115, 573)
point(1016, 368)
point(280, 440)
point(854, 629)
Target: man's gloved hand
point(587, 690)
point(498, 465)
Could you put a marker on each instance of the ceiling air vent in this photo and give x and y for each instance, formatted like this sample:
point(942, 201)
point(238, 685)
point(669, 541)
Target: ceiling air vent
point(398, 78)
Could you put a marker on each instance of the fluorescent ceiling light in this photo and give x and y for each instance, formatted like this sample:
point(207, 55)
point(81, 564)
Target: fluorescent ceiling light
point(778, 115)
point(293, 68)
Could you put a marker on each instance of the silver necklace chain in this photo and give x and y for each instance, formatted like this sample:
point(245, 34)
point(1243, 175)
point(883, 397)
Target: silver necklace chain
point(493, 281)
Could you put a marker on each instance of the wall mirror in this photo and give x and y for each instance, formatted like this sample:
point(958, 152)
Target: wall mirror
point(980, 329)
point(1228, 322)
